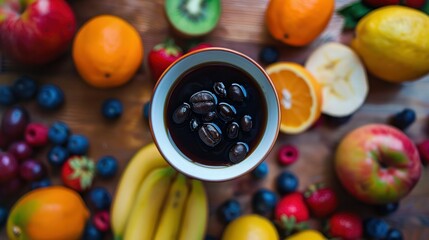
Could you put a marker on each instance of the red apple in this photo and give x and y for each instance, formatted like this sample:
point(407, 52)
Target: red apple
point(377, 164)
point(35, 32)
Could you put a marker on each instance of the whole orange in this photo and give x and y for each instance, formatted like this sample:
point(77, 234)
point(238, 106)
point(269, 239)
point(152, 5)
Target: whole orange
point(50, 213)
point(298, 22)
point(107, 51)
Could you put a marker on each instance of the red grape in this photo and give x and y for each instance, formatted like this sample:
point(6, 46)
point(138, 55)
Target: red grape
point(8, 167)
point(20, 150)
point(14, 122)
point(31, 170)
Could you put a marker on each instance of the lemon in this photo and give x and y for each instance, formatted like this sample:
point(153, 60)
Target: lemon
point(307, 235)
point(250, 227)
point(393, 42)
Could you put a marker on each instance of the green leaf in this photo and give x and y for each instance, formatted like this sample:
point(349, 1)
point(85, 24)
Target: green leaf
point(425, 8)
point(353, 13)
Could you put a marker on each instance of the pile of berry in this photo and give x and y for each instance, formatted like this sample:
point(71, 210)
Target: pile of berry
point(291, 210)
point(23, 141)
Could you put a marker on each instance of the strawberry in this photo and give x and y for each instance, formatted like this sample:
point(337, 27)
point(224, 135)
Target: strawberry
point(322, 201)
point(291, 212)
point(344, 225)
point(200, 46)
point(380, 3)
point(78, 172)
point(409, 3)
point(414, 3)
point(162, 56)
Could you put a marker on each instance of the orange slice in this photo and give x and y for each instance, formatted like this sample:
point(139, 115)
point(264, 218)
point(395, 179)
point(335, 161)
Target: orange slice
point(300, 96)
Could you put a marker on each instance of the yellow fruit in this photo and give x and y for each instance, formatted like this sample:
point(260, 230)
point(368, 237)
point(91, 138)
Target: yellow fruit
point(307, 235)
point(48, 213)
point(107, 51)
point(393, 42)
point(250, 227)
point(300, 96)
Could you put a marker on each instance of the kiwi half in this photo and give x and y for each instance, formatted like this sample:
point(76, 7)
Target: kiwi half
point(193, 18)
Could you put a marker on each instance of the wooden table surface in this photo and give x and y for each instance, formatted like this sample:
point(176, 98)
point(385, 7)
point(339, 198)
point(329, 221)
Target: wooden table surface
point(241, 28)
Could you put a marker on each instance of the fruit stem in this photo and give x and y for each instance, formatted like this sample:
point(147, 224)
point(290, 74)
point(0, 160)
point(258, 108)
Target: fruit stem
point(16, 232)
point(169, 47)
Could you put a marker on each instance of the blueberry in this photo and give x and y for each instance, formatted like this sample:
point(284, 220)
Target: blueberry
point(146, 110)
point(269, 55)
point(230, 210)
point(387, 209)
point(91, 232)
point(375, 228)
point(77, 144)
point(50, 97)
point(57, 156)
point(24, 88)
point(99, 198)
point(107, 166)
point(286, 182)
point(394, 234)
point(46, 182)
point(3, 216)
point(404, 119)
point(261, 171)
point(263, 202)
point(6, 95)
point(112, 108)
point(59, 133)
point(336, 121)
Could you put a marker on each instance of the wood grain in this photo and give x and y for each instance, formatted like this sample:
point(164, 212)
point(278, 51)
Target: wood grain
point(241, 28)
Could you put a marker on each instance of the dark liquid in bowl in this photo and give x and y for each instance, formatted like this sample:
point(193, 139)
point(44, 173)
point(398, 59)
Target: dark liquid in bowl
point(201, 124)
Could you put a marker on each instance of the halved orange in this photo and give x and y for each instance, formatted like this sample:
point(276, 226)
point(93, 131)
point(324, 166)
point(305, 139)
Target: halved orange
point(300, 96)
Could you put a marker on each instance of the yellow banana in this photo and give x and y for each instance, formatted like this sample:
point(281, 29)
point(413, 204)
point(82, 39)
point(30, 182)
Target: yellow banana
point(169, 223)
point(145, 160)
point(144, 215)
point(194, 221)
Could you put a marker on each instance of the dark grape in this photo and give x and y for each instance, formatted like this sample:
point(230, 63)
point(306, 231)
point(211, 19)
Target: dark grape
point(20, 150)
point(31, 170)
point(8, 167)
point(14, 122)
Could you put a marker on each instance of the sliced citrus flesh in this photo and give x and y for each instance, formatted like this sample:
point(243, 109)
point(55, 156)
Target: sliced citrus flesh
point(300, 96)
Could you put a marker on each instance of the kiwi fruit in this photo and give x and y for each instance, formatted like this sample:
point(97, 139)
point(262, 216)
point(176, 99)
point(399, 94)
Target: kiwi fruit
point(193, 18)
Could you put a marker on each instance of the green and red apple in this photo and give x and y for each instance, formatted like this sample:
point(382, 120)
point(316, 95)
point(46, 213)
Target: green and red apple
point(377, 164)
point(35, 32)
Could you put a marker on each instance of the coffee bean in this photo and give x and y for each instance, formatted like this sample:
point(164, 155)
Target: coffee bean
point(219, 89)
point(232, 130)
point(193, 124)
point(203, 102)
point(238, 152)
point(237, 93)
point(209, 116)
point(246, 123)
point(210, 134)
point(181, 113)
point(226, 111)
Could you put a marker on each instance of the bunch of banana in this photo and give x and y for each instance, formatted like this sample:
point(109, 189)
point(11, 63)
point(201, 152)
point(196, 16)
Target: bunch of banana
point(153, 201)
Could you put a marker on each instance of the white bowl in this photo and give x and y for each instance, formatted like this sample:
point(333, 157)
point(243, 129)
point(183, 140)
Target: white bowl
point(159, 103)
